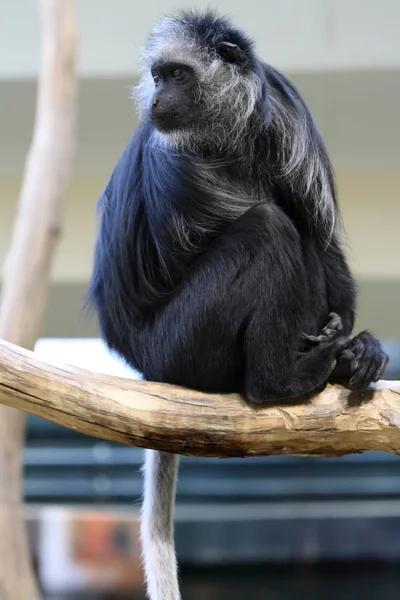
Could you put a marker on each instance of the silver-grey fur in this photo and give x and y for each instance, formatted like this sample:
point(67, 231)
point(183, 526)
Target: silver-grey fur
point(300, 155)
point(157, 534)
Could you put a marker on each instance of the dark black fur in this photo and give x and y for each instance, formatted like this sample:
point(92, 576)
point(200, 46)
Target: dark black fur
point(189, 296)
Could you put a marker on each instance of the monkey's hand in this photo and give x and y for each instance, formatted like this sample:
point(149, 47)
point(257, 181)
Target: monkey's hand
point(362, 362)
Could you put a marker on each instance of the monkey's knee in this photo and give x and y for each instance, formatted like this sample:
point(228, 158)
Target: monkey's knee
point(270, 214)
point(266, 228)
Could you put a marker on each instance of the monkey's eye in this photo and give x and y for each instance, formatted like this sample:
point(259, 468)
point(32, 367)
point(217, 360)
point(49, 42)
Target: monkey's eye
point(178, 74)
point(156, 79)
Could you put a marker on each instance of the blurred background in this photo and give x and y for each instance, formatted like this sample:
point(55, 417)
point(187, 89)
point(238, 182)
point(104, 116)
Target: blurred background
point(248, 529)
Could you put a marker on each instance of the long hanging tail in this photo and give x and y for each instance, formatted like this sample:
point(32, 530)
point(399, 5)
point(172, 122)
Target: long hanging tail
point(157, 530)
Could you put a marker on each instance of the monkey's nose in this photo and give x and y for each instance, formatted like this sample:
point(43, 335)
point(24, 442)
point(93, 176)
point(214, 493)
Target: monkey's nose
point(155, 102)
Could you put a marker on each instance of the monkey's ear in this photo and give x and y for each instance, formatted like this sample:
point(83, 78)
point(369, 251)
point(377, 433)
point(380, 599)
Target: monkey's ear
point(231, 53)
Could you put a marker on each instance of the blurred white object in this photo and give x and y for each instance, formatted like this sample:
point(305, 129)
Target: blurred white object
point(86, 353)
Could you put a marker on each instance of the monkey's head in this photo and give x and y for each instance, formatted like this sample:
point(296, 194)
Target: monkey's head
point(200, 81)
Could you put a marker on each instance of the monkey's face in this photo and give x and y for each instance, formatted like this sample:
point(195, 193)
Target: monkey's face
point(200, 86)
point(172, 105)
point(205, 104)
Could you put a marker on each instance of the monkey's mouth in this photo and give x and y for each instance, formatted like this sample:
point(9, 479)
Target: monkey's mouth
point(170, 121)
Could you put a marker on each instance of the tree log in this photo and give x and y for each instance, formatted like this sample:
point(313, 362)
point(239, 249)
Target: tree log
point(27, 268)
point(174, 419)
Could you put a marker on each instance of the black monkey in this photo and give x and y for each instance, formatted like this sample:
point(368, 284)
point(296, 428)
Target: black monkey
point(218, 263)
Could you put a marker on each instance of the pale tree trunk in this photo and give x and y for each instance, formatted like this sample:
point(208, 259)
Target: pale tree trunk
point(27, 269)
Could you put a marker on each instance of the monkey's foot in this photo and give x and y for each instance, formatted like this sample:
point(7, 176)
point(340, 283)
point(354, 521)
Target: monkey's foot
point(365, 361)
point(331, 329)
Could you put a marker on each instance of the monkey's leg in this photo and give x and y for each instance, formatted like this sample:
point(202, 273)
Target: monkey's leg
point(247, 290)
point(289, 379)
point(157, 535)
point(274, 368)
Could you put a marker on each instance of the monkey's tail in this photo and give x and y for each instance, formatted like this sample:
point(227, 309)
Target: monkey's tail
point(157, 525)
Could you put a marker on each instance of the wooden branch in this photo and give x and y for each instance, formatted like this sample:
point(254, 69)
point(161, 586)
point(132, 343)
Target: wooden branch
point(173, 419)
